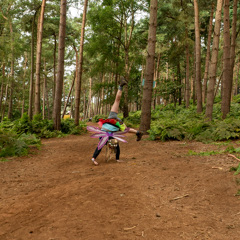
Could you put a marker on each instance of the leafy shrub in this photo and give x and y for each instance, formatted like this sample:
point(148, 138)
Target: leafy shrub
point(235, 169)
point(18, 135)
point(45, 133)
point(166, 130)
point(13, 145)
point(97, 117)
point(79, 129)
point(181, 123)
point(133, 120)
point(6, 125)
point(68, 127)
point(30, 139)
point(39, 125)
point(22, 125)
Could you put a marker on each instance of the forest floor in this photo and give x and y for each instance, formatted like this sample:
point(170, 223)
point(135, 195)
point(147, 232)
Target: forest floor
point(159, 192)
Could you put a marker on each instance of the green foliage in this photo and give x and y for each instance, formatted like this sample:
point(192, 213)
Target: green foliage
point(30, 139)
point(22, 125)
point(177, 123)
point(68, 127)
point(16, 137)
point(133, 120)
point(235, 169)
point(238, 193)
point(42, 128)
point(207, 153)
point(97, 117)
point(231, 149)
point(166, 130)
point(13, 145)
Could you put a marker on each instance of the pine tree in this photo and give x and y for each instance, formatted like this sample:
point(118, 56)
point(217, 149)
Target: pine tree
point(149, 72)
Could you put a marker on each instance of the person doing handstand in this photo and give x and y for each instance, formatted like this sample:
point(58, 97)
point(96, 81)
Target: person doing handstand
point(114, 124)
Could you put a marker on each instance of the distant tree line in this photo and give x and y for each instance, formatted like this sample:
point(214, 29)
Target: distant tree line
point(53, 63)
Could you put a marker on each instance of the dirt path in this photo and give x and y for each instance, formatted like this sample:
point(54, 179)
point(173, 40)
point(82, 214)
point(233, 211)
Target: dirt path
point(158, 193)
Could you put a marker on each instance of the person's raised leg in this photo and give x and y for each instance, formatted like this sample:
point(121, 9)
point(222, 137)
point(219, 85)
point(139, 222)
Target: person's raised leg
point(139, 134)
point(116, 103)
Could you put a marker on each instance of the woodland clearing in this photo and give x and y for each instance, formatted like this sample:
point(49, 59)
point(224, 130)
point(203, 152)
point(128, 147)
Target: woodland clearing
point(158, 192)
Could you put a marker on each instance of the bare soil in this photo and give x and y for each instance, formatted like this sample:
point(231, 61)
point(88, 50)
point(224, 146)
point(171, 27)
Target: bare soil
point(159, 192)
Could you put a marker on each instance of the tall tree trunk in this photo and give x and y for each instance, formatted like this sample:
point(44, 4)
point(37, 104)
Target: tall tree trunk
point(102, 94)
point(5, 102)
point(218, 85)
point(118, 54)
point(214, 60)
point(179, 79)
point(24, 84)
point(156, 79)
point(148, 86)
point(54, 67)
point(193, 85)
point(2, 87)
point(44, 91)
point(69, 95)
point(90, 98)
point(198, 58)
point(1, 95)
point(80, 68)
point(60, 73)
point(30, 97)
point(125, 106)
point(226, 81)
point(205, 78)
point(237, 77)
point(187, 85)
point(127, 44)
point(38, 58)
point(10, 105)
point(233, 38)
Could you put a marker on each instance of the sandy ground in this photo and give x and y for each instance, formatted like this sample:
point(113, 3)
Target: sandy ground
point(159, 192)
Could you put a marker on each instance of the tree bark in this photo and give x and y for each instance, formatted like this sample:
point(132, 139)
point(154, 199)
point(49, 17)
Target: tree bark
point(149, 74)
point(1, 95)
point(30, 97)
point(2, 88)
point(44, 91)
point(54, 67)
point(69, 95)
point(127, 44)
point(214, 60)
point(80, 68)
point(90, 98)
point(10, 103)
point(5, 102)
point(205, 78)
point(60, 73)
point(198, 57)
point(233, 39)
point(24, 87)
point(187, 85)
point(193, 85)
point(38, 58)
point(102, 94)
point(226, 81)
point(179, 80)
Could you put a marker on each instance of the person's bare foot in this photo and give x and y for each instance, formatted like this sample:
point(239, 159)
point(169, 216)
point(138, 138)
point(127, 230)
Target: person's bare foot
point(95, 162)
point(119, 161)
